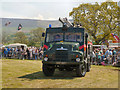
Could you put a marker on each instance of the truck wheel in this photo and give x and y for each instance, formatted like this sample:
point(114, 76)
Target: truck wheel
point(88, 67)
point(81, 70)
point(48, 71)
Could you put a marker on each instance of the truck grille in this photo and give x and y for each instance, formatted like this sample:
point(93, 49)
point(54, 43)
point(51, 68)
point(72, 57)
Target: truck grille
point(61, 55)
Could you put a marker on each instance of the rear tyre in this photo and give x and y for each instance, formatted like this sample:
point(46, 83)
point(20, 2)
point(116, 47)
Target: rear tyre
point(48, 70)
point(81, 70)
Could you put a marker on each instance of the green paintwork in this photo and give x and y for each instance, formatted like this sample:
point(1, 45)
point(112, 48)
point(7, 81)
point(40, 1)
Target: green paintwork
point(72, 48)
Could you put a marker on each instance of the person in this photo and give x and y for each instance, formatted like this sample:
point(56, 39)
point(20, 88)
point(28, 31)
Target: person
point(36, 54)
point(33, 53)
point(118, 58)
point(69, 37)
point(0, 53)
point(57, 38)
point(8, 49)
point(22, 54)
point(12, 50)
point(118, 54)
point(96, 53)
point(10, 53)
point(106, 55)
point(99, 57)
point(110, 57)
point(94, 57)
point(5, 53)
point(114, 55)
point(103, 58)
point(41, 53)
point(19, 53)
point(101, 54)
point(28, 53)
point(14, 53)
point(30, 50)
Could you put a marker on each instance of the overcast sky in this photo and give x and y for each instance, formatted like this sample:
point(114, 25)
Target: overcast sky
point(40, 9)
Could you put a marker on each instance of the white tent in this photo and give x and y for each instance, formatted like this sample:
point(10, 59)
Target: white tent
point(15, 45)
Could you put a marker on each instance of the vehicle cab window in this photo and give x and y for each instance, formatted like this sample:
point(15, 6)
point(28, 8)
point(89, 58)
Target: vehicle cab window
point(73, 37)
point(54, 37)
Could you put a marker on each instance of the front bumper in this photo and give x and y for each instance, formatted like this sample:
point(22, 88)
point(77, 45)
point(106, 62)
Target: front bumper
point(61, 63)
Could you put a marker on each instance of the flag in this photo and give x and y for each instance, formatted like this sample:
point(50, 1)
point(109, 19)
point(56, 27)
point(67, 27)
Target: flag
point(19, 26)
point(81, 47)
point(6, 24)
point(115, 36)
point(45, 46)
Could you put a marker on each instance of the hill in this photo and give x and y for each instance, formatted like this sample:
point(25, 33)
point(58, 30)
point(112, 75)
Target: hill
point(28, 24)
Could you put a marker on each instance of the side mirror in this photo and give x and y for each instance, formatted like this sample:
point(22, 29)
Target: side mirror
point(86, 35)
point(43, 34)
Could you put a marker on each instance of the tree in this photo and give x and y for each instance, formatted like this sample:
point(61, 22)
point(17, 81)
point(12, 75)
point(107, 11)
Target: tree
point(20, 37)
point(6, 38)
point(98, 20)
point(36, 38)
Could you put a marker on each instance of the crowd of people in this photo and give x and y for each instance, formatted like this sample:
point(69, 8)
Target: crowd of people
point(105, 56)
point(99, 56)
point(31, 53)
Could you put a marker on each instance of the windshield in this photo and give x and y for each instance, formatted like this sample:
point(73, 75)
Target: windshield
point(73, 37)
point(54, 37)
point(69, 36)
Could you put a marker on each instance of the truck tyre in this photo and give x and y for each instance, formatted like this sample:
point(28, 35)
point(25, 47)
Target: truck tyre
point(81, 70)
point(88, 67)
point(48, 71)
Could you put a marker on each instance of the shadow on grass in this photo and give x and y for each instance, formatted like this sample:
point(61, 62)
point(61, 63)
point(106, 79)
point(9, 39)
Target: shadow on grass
point(116, 69)
point(57, 75)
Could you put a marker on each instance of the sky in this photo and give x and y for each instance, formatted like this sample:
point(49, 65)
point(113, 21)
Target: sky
point(40, 9)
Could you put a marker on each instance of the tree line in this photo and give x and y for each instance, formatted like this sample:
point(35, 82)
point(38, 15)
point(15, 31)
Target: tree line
point(33, 38)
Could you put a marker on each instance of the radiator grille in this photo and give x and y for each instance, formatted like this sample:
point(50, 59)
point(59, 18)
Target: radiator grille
point(61, 55)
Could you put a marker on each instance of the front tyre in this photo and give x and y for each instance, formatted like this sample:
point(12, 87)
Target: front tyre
point(48, 70)
point(81, 70)
point(88, 67)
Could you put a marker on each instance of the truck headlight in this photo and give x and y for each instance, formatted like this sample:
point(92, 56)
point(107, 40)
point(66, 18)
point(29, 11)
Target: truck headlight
point(77, 59)
point(45, 58)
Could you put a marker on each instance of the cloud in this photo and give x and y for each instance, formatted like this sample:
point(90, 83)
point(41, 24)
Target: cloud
point(40, 17)
point(13, 15)
point(51, 18)
point(39, 0)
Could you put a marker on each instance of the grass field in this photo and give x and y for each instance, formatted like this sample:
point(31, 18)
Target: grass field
point(28, 74)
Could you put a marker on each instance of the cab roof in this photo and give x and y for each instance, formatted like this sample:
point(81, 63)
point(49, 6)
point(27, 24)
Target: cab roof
point(60, 29)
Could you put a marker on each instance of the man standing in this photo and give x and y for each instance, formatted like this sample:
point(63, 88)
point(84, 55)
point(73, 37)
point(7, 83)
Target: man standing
point(8, 52)
point(106, 55)
point(114, 55)
point(110, 56)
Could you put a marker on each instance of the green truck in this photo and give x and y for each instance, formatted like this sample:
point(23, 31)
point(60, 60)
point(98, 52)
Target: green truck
point(66, 48)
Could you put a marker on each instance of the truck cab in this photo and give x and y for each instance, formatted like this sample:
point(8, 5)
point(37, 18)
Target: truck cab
point(66, 48)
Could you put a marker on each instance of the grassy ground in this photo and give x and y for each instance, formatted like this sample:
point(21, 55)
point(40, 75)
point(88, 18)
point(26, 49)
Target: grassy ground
point(28, 74)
